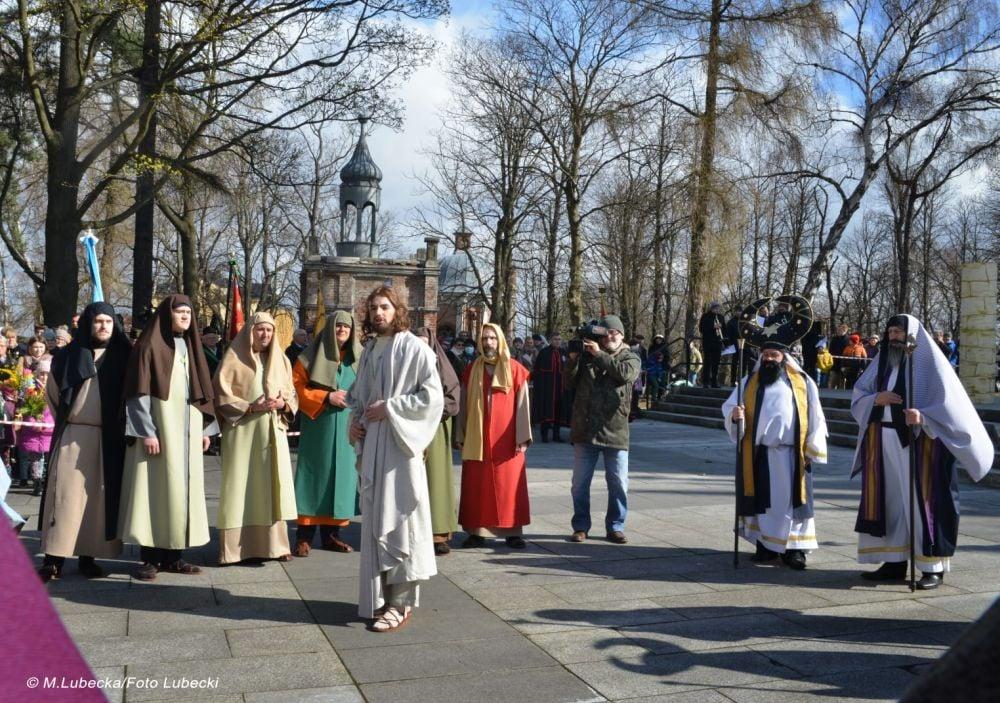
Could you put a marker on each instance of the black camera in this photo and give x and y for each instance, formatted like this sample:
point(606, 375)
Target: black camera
point(592, 330)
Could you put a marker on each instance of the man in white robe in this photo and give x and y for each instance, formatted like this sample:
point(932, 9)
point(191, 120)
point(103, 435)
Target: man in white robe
point(785, 420)
point(941, 426)
point(396, 404)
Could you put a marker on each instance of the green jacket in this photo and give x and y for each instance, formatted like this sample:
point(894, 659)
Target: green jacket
point(603, 397)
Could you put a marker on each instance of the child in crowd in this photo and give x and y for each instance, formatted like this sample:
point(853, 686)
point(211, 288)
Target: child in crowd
point(33, 442)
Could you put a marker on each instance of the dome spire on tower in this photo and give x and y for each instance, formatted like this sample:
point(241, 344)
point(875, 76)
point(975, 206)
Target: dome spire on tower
point(359, 188)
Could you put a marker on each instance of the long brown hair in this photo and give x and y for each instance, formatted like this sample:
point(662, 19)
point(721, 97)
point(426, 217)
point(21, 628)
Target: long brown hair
point(400, 322)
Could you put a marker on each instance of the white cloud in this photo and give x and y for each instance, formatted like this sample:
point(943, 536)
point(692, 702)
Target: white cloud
point(398, 154)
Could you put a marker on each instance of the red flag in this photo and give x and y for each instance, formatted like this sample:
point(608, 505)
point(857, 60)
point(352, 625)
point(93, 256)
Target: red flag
point(236, 313)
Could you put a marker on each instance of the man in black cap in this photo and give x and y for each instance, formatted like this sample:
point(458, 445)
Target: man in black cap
point(785, 433)
point(602, 378)
point(711, 326)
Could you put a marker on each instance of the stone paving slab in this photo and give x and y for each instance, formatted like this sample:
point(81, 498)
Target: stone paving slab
point(332, 694)
point(835, 655)
point(243, 674)
point(552, 684)
point(665, 618)
point(411, 661)
point(673, 673)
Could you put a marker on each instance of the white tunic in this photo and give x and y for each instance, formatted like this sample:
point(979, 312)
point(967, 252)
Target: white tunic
point(777, 528)
point(895, 545)
point(397, 543)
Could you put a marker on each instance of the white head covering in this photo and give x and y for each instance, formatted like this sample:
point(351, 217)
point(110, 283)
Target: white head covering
point(948, 413)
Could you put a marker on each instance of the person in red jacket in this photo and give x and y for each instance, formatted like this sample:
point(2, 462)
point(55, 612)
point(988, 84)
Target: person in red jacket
point(493, 430)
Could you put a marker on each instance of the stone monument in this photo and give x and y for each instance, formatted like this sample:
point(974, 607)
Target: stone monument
point(978, 330)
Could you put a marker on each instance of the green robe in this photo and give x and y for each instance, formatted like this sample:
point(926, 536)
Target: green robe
point(326, 481)
point(163, 496)
point(256, 469)
point(441, 481)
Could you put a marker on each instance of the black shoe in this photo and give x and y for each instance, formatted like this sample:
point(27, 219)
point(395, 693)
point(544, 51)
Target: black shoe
point(794, 559)
point(49, 572)
point(37, 490)
point(929, 582)
point(441, 548)
point(474, 542)
point(764, 555)
point(89, 568)
point(889, 571)
point(516, 542)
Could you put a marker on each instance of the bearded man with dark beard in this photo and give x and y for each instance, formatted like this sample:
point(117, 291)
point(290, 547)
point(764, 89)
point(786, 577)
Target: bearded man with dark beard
point(941, 427)
point(785, 434)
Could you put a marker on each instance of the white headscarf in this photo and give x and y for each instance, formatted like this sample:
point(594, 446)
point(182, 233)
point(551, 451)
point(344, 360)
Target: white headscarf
point(948, 413)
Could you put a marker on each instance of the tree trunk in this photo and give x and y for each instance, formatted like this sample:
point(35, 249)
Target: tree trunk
point(847, 210)
point(188, 235)
point(658, 225)
point(59, 293)
point(142, 253)
point(703, 188)
point(906, 234)
point(552, 262)
point(574, 295)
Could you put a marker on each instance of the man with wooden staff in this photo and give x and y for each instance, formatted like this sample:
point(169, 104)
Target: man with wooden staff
point(941, 427)
point(785, 435)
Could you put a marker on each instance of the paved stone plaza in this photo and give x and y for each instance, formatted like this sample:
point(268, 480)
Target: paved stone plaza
point(664, 618)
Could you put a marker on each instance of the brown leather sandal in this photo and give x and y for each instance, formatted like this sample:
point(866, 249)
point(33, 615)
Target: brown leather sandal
point(146, 572)
point(285, 557)
point(335, 544)
point(391, 619)
point(181, 567)
point(301, 549)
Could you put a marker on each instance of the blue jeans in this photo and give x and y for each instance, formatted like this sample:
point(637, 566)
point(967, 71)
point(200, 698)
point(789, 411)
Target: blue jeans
point(615, 474)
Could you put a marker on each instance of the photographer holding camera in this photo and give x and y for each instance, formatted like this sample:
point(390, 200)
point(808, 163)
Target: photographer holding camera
point(602, 370)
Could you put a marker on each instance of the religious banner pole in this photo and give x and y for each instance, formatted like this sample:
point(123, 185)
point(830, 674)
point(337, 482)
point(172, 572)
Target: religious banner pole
point(911, 345)
point(229, 295)
point(741, 428)
point(89, 242)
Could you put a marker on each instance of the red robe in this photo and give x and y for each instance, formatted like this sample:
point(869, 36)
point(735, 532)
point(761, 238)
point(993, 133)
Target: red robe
point(495, 490)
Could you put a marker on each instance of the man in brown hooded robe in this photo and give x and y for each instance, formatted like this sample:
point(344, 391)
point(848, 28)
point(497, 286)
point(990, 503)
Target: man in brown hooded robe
point(169, 400)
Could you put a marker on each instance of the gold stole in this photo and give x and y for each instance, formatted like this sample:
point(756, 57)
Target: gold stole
point(801, 397)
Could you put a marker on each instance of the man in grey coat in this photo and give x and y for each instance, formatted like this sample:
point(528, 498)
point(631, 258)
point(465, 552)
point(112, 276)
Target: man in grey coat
point(602, 376)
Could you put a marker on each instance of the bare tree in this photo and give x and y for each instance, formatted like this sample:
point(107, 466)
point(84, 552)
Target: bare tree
point(894, 69)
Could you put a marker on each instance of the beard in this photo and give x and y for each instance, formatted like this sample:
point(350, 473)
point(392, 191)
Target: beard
point(490, 356)
point(381, 328)
point(895, 353)
point(770, 371)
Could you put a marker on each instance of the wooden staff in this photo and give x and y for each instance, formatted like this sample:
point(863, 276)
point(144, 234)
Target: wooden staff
point(911, 345)
point(741, 427)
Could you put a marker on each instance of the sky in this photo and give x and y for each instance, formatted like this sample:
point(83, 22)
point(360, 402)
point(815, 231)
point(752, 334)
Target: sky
point(398, 153)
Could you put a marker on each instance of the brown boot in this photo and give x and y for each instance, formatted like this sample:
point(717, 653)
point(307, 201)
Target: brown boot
point(301, 548)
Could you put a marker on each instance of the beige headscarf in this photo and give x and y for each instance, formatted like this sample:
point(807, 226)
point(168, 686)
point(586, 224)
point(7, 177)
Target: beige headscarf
point(235, 375)
point(503, 380)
